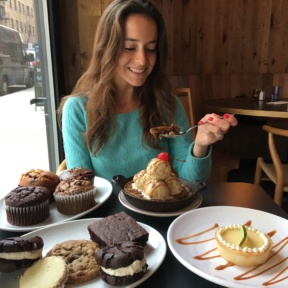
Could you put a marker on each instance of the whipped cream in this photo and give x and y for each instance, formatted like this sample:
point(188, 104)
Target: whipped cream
point(21, 255)
point(136, 267)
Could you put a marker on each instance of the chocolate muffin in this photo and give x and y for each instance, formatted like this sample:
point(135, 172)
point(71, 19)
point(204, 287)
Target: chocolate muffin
point(42, 178)
point(27, 206)
point(77, 171)
point(117, 228)
point(122, 263)
point(74, 195)
point(19, 252)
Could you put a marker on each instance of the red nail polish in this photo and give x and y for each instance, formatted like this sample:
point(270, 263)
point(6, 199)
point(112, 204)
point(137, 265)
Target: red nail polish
point(210, 119)
point(200, 122)
point(226, 116)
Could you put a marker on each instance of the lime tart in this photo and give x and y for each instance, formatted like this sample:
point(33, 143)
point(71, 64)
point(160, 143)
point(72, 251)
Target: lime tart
point(243, 245)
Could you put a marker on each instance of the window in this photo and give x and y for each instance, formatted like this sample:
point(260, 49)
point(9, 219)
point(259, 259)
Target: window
point(12, 23)
point(27, 10)
point(19, 6)
point(17, 25)
point(45, 152)
point(2, 11)
point(10, 2)
point(15, 5)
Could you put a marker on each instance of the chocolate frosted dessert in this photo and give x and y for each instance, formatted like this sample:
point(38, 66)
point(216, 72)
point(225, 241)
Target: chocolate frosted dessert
point(116, 228)
point(122, 263)
point(169, 130)
point(27, 205)
point(19, 252)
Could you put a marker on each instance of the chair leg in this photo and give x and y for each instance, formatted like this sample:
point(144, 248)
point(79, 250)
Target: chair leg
point(278, 194)
point(258, 171)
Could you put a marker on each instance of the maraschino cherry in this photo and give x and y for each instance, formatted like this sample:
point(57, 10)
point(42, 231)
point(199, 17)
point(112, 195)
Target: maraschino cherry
point(163, 156)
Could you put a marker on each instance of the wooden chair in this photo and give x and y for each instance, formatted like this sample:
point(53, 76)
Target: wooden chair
point(184, 94)
point(276, 171)
point(61, 167)
point(222, 163)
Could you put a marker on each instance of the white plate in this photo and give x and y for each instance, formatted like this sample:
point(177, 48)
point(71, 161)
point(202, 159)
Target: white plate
point(155, 250)
point(103, 192)
point(201, 219)
point(196, 202)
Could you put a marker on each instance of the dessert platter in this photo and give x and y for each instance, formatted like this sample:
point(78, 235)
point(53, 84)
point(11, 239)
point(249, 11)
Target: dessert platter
point(103, 192)
point(195, 203)
point(200, 240)
point(157, 188)
point(157, 205)
point(155, 250)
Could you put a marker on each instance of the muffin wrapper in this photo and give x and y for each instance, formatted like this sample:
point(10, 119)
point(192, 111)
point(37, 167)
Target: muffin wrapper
point(73, 204)
point(26, 216)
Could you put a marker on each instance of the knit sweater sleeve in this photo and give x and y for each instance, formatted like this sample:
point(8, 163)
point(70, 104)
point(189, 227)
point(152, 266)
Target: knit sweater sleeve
point(74, 125)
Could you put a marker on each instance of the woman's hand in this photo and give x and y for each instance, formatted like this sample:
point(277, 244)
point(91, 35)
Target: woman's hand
point(213, 130)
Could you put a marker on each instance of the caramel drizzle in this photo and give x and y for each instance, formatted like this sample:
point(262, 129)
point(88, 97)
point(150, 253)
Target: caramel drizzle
point(243, 276)
point(182, 240)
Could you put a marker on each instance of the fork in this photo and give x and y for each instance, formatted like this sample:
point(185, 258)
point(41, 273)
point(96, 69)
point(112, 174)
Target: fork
point(181, 133)
point(185, 132)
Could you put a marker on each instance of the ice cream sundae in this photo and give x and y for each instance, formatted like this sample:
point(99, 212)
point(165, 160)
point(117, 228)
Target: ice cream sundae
point(157, 181)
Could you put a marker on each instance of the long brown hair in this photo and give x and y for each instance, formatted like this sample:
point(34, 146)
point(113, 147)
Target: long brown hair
point(157, 105)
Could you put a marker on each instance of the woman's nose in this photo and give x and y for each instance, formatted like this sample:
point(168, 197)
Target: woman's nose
point(141, 57)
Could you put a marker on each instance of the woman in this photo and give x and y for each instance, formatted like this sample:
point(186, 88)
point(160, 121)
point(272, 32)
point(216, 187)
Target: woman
point(125, 92)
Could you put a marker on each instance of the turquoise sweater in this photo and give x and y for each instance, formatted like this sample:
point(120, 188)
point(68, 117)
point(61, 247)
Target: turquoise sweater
point(125, 154)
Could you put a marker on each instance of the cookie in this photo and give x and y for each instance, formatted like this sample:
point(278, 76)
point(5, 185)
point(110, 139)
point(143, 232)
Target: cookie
point(19, 252)
point(46, 272)
point(80, 258)
point(122, 263)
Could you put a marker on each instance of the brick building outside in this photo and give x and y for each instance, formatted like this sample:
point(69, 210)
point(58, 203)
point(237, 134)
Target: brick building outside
point(20, 15)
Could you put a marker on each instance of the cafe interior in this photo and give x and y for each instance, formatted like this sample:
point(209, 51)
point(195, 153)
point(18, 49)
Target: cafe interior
point(225, 56)
point(218, 50)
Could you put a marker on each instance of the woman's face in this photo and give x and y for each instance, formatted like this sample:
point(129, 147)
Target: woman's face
point(138, 56)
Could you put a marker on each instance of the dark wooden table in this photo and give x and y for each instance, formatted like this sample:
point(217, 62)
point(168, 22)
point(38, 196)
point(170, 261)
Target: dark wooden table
point(172, 273)
point(245, 106)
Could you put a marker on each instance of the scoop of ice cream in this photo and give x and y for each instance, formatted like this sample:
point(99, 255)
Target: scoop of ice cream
point(173, 184)
point(158, 169)
point(140, 180)
point(157, 189)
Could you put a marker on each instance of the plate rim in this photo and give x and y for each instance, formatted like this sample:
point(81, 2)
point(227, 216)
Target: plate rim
point(161, 241)
point(195, 269)
point(161, 214)
point(73, 217)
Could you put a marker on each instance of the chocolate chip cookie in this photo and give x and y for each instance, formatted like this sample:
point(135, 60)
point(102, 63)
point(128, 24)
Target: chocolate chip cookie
point(80, 258)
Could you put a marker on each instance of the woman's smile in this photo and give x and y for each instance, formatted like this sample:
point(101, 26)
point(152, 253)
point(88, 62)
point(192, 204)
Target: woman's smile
point(138, 55)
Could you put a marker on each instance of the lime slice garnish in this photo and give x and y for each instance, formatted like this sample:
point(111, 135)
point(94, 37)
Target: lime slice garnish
point(244, 235)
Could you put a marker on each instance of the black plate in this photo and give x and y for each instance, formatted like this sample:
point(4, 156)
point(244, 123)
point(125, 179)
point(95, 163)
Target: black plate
point(158, 205)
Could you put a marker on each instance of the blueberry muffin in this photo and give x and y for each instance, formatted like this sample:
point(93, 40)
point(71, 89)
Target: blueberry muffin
point(42, 178)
